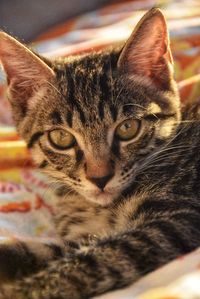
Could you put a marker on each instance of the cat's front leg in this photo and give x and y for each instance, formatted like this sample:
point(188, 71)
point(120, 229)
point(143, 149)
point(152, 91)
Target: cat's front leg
point(19, 257)
point(109, 264)
point(53, 282)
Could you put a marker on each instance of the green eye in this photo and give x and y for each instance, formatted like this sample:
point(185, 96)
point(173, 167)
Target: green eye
point(61, 139)
point(128, 129)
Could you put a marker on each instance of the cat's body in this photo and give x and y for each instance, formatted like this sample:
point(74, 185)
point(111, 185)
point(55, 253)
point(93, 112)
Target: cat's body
point(109, 128)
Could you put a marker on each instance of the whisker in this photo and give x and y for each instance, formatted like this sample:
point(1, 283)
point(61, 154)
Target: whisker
point(58, 91)
point(111, 79)
point(119, 93)
point(136, 105)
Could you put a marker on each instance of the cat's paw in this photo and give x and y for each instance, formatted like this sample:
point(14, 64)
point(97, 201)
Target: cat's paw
point(15, 290)
point(7, 262)
point(7, 293)
point(12, 259)
point(16, 259)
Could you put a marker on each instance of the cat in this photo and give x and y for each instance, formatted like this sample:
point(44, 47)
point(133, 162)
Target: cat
point(109, 128)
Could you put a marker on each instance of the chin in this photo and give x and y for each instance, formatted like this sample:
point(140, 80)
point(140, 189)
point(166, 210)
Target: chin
point(101, 198)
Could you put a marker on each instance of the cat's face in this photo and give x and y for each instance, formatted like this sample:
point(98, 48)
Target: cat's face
point(92, 122)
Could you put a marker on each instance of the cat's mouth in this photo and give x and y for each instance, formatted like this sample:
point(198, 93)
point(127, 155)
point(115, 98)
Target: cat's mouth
point(102, 197)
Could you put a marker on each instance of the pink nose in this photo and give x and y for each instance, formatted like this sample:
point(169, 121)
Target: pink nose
point(99, 172)
point(101, 182)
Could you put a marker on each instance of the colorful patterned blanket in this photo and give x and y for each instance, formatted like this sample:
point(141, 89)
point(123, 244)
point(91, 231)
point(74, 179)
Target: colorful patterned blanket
point(25, 198)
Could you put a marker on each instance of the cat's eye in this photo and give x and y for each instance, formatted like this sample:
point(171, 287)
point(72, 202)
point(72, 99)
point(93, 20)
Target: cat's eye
point(128, 129)
point(61, 139)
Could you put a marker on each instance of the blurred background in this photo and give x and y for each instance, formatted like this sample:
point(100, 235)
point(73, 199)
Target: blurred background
point(27, 19)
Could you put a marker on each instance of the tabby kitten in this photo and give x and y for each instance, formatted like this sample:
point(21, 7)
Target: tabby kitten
point(108, 127)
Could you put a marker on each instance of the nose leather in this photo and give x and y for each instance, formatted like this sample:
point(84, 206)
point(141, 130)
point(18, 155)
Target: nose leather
point(101, 182)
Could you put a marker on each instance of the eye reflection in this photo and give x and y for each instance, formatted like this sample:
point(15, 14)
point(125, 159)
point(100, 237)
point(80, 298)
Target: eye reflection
point(61, 139)
point(128, 129)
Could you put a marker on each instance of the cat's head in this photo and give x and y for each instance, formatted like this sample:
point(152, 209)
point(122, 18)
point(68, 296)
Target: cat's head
point(93, 121)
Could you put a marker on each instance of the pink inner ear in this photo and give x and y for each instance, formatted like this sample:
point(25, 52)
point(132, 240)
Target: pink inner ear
point(168, 55)
point(147, 51)
point(20, 63)
point(25, 71)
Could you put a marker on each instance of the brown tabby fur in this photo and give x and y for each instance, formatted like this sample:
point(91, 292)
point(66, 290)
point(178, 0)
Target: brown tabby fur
point(148, 210)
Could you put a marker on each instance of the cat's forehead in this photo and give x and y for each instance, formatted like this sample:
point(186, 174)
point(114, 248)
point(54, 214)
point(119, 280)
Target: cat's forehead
point(92, 84)
point(90, 78)
point(92, 94)
point(86, 89)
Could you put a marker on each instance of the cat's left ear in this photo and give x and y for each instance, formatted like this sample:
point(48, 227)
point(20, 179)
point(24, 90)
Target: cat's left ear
point(147, 51)
point(25, 70)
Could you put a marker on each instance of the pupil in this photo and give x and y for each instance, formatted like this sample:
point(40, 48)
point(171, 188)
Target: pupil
point(127, 126)
point(62, 136)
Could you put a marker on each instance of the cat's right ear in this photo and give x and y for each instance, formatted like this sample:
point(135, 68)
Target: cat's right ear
point(25, 71)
